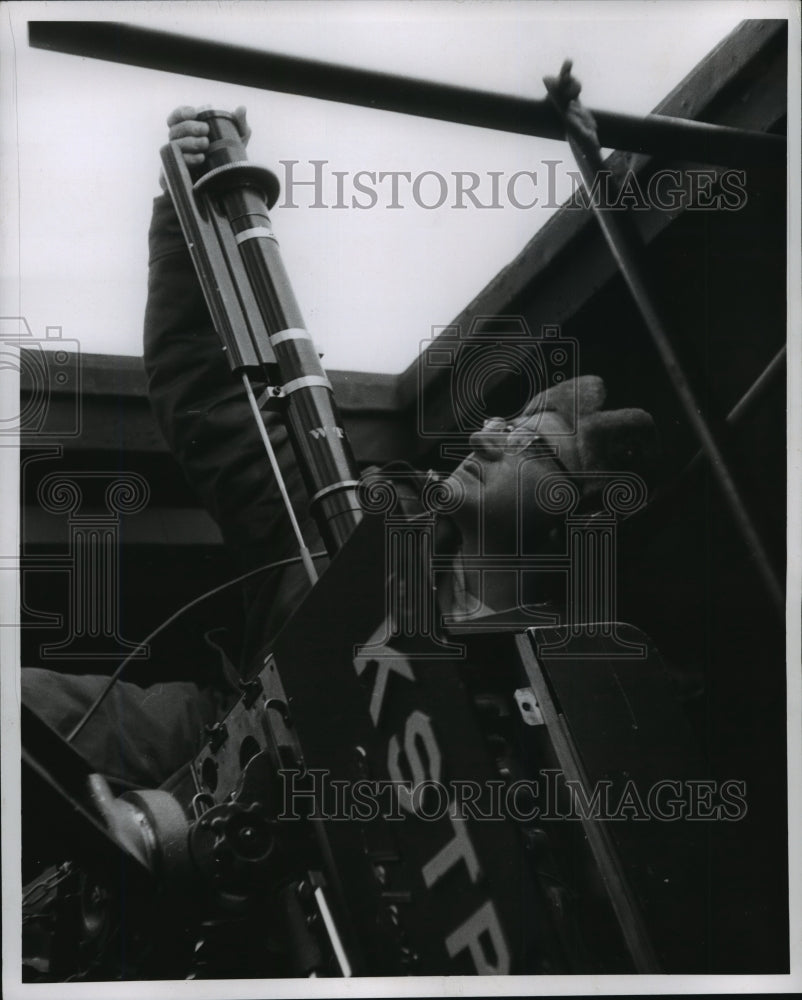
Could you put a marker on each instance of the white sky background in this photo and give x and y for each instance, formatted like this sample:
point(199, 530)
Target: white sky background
point(85, 136)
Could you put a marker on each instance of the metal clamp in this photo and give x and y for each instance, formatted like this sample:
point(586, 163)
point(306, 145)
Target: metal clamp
point(528, 707)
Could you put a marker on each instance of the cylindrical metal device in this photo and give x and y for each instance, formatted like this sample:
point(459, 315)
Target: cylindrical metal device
point(322, 449)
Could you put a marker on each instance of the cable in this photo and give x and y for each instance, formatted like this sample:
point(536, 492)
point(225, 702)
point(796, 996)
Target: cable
point(306, 558)
point(160, 628)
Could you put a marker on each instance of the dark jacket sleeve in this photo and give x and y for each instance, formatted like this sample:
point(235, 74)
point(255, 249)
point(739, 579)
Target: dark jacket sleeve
point(204, 415)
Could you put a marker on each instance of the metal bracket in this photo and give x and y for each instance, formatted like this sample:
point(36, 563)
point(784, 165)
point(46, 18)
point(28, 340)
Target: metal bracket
point(528, 707)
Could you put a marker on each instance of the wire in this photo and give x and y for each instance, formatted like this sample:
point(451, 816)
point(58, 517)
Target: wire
point(306, 558)
point(160, 628)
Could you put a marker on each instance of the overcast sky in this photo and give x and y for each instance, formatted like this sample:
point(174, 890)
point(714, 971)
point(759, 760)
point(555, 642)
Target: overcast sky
point(80, 141)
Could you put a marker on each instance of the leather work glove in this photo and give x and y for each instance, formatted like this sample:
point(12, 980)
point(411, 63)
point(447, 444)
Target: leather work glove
point(603, 441)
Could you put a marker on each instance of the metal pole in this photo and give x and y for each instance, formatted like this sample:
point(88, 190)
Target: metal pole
point(625, 245)
point(752, 394)
point(678, 138)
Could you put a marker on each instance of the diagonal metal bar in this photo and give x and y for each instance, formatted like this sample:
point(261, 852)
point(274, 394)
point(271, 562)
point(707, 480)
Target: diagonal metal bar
point(641, 523)
point(762, 383)
point(678, 138)
point(625, 245)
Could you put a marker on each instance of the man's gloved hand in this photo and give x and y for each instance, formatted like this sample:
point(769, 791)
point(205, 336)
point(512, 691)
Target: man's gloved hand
point(564, 91)
point(192, 135)
point(602, 440)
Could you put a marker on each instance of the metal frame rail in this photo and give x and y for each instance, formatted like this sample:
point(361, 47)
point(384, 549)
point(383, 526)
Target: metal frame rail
point(680, 138)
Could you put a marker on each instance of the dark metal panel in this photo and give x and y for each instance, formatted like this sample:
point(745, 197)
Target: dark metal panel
point(118, 375)
point(331, 703)
point(172, 526)
point(627, 736)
